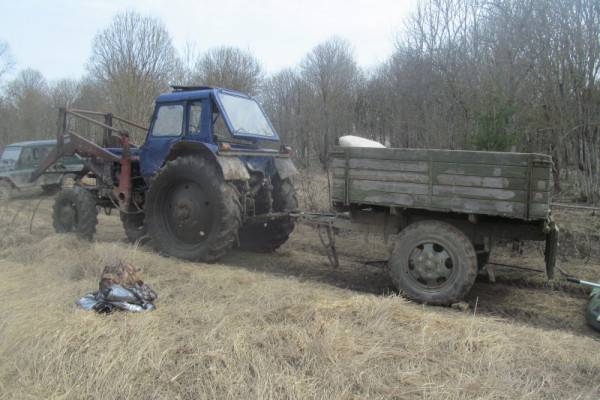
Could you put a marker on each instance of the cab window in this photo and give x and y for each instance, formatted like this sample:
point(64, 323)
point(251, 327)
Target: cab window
point(219, 129)
point(169, 120)
point(195, 118)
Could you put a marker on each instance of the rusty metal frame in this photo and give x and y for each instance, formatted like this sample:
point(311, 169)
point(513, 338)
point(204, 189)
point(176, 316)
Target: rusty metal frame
point(69, 143)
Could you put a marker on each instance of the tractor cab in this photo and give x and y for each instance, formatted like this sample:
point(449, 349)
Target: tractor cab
point(211, 117)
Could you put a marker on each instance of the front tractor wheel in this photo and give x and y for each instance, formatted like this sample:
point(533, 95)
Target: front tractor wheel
point(269, 236)
point(191, 212)
point(75, 211)
point(433, 262)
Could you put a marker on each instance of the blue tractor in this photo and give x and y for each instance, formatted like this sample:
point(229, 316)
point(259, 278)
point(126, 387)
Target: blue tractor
point(212, 174)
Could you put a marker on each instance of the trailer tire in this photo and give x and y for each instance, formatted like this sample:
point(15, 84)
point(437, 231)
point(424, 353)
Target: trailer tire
point(433, 262)
point(75, 211)
point(268, 237)
point(191, 212)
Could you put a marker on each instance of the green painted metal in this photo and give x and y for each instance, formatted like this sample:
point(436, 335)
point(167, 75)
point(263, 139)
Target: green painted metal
point(514, 185)
point(592, 312)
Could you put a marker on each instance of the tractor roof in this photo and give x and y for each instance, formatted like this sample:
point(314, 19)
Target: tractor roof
point(181, 93)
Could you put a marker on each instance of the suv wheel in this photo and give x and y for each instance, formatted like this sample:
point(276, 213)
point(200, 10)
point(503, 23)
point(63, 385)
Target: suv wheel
point(6, 189)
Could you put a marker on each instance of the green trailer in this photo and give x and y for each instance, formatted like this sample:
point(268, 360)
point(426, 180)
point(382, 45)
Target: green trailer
point(443, 209)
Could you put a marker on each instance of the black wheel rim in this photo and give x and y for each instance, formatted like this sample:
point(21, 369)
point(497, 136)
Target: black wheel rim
point(431, 265)
point(188, 212)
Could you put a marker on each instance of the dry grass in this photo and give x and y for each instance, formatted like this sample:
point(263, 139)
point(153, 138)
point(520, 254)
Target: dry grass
point(259, 326)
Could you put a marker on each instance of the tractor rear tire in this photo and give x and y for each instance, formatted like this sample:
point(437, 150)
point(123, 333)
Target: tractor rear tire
point(433, 262)
point(133, 224)
point(75, 211)
point(267, 237)
point(191, 212)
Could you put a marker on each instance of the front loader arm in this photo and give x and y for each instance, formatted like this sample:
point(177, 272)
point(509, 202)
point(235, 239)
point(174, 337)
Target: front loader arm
point(71, 144)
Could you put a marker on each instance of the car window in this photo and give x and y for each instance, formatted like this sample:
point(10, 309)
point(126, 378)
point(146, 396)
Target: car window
point(194, 124)
point(11, 154)
point(39, 153)
point(43, 153)
point(27, 156)
point(169, 120)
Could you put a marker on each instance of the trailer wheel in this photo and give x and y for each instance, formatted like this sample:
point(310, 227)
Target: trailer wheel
point(134, 227)
point(191, 212)
point(75, 211)
point(433, 262)
point(267, 237)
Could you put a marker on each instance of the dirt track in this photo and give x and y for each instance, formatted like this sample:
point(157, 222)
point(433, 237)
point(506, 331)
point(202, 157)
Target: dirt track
point(517, 296)
point(283, 325)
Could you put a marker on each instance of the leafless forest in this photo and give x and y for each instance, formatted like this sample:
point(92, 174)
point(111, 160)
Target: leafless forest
point(465, 74)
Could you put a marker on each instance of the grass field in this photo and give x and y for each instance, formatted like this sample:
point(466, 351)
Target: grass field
point(277, 326)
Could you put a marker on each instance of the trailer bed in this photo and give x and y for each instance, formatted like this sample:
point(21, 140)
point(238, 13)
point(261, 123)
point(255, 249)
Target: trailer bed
point(513, 185)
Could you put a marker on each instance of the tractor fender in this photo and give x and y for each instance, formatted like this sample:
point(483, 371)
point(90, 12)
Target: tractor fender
point(232, 168)
point(285, 168)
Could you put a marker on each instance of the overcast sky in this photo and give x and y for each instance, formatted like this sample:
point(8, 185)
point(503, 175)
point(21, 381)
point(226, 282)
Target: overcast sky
point(55, 36)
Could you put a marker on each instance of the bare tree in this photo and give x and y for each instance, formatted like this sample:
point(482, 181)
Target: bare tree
point(229, 67)
point(64, 93)
point(289, 101)
point(29, 107)
point(133, 60)
point(331, 71)
point(6, 60)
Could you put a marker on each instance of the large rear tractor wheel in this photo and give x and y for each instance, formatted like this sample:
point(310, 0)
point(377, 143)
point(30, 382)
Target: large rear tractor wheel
point(191, 212)
point(75, 211)
point(433, 262)
point(269, 236)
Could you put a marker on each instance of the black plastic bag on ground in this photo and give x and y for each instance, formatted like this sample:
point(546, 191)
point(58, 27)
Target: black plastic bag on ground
point(122, 288)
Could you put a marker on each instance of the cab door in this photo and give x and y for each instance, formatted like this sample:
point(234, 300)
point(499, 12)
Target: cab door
point(166, 128)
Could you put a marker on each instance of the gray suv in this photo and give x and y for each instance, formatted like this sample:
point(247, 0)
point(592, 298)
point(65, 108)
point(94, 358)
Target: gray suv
point(19, 160)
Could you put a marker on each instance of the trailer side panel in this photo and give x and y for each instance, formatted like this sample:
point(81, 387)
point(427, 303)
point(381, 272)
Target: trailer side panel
point(514, 185)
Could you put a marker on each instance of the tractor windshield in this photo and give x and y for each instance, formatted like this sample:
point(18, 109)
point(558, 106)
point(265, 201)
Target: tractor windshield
point(245, 116)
